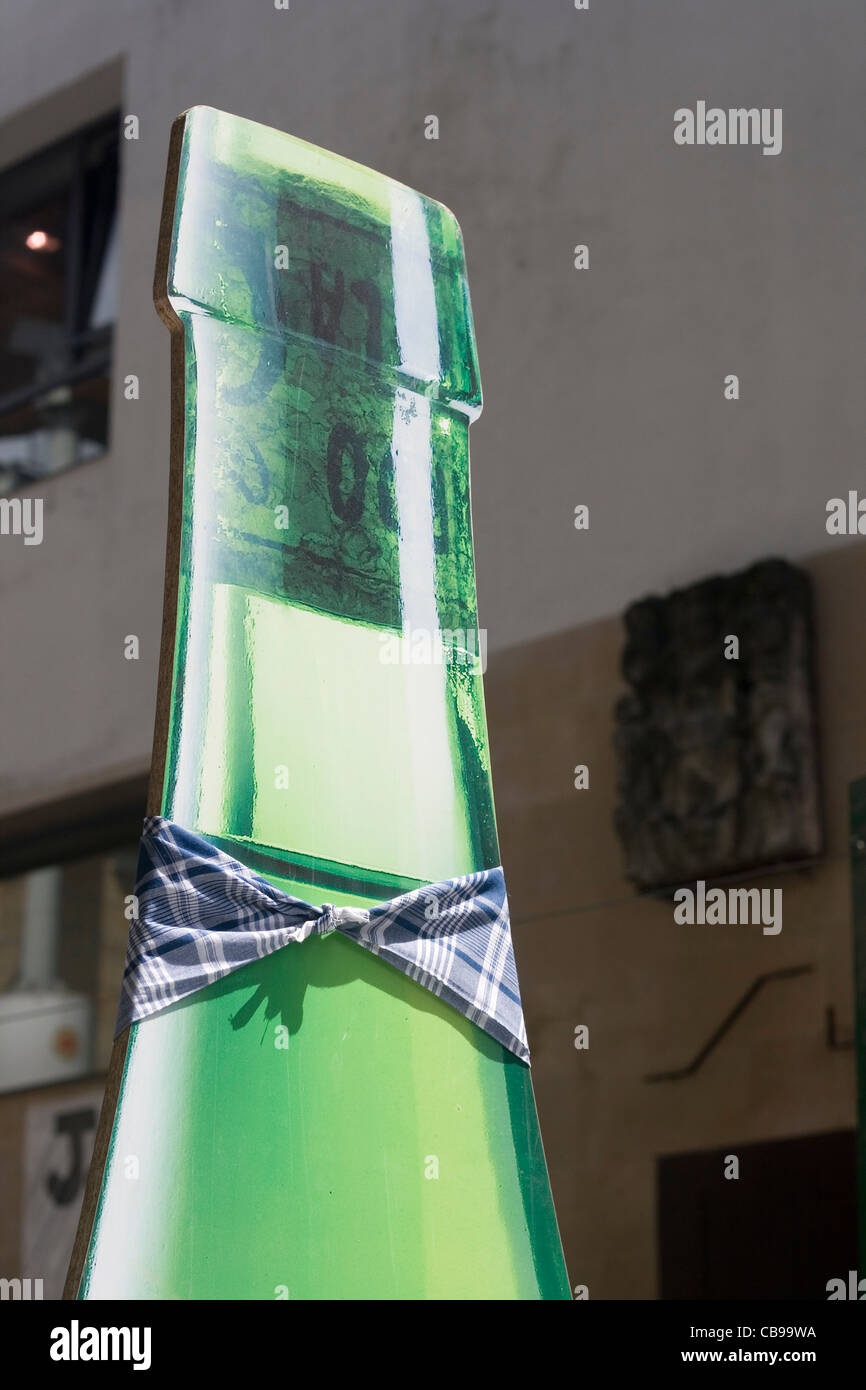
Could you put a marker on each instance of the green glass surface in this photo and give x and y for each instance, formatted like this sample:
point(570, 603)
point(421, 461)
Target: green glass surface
point(317, 1125)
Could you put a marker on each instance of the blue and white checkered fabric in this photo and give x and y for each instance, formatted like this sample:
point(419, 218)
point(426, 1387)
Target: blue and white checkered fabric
point(202, 914)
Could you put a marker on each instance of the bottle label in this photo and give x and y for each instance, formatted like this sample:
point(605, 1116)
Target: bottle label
point(323, 483)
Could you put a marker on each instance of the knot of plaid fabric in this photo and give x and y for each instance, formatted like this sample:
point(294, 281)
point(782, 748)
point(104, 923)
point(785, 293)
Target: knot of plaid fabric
point(326, 924)
point(333, 918)
point(202, 914)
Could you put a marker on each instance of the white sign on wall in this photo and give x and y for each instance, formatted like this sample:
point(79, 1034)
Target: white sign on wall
point(58, 1144)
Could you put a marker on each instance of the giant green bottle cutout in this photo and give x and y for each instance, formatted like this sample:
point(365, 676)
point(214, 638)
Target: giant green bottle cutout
point(318, 1125)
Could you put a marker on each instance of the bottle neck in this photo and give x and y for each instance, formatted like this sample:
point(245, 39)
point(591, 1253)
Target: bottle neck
point(328, 699)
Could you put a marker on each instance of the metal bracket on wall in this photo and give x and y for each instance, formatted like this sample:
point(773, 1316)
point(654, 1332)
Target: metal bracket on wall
point(728, 1021)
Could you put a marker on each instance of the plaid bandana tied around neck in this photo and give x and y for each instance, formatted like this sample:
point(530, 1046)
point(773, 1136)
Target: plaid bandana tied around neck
point(202, 915)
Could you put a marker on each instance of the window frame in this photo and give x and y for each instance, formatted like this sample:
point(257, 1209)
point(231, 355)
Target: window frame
point(88, 352)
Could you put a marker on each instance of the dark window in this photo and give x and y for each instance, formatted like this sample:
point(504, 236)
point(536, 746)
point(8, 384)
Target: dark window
point(58, 271)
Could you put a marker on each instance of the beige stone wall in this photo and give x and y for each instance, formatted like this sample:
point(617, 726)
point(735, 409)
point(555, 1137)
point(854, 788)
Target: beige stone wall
point(590, 951)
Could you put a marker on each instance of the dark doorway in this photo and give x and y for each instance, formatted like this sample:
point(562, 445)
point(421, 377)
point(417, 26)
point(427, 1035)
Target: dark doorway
point(782, 1229)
